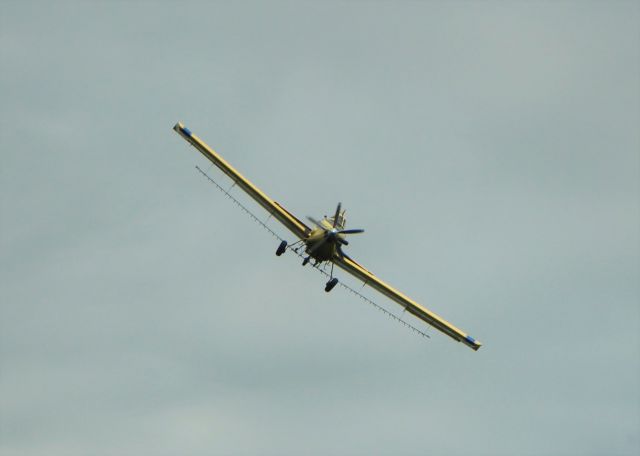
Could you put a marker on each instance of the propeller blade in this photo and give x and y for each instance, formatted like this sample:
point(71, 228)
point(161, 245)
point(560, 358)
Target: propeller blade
point(353, 231)
point(343, 241)
point(315, 222)
point(335, 218)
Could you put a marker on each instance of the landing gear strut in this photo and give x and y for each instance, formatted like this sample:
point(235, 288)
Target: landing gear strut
point(332, 282)
point(281, 248)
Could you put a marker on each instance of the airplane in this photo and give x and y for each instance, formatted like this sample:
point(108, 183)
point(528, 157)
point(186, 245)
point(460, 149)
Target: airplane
point(323, 242)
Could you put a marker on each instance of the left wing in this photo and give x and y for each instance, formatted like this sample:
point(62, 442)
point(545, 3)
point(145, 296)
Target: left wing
point(285, 217)
point(410, 305)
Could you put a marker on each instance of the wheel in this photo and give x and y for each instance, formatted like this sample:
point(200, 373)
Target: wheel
point(331, 284)
point(305, 261)
point(281, 248)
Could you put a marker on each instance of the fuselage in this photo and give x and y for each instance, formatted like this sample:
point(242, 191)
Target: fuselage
point(329, 247)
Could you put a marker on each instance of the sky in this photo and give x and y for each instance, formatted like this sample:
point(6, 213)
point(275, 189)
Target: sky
point(491, 150)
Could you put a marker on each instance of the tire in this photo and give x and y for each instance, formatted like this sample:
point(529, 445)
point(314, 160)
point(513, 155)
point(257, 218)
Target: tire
point(331, 284)
point(281, 248)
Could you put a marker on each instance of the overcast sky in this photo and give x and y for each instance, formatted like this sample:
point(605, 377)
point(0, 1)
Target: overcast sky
point(491, 151)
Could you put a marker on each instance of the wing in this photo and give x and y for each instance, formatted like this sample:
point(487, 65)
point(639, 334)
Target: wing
point(410, 305)
point(285, 217)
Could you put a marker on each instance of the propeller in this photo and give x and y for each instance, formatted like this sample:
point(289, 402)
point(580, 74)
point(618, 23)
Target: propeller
point(315, 222)
point(335, 217)
point(333, 233)
point(353, 231)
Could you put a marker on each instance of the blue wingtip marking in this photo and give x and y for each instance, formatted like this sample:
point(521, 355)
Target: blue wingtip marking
point(470, 339)
point(186, 131)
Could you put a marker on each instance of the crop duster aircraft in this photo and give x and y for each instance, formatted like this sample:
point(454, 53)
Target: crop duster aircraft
point(324, 242)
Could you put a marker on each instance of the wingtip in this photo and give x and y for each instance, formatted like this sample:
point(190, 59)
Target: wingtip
point(471, 342)
point(180, 128)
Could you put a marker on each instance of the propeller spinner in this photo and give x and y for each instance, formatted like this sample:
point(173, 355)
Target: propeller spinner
point(331, 235)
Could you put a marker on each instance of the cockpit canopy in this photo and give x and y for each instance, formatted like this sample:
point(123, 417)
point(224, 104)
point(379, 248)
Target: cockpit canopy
point(342, 220)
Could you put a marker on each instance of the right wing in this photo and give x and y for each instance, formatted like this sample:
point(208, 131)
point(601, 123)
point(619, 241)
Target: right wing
point(355, 269)
point(285, 217)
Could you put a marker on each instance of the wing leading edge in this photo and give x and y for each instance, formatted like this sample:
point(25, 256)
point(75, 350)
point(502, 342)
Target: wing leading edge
point(285, 217)
point(410, 305)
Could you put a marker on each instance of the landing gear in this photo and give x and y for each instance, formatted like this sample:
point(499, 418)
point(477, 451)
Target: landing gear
point(333, 281)
point(331, 284)
point(281, 248)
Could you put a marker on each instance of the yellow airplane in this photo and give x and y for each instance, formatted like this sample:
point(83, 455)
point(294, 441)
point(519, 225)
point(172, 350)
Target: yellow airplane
point(324, 242)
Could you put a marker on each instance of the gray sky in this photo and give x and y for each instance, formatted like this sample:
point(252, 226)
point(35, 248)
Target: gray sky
point(491, 151)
